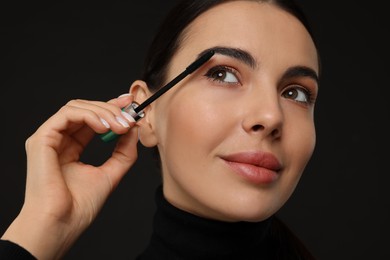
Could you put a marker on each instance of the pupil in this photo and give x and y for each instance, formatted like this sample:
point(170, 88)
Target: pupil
point(292, 93)
point(221, 74)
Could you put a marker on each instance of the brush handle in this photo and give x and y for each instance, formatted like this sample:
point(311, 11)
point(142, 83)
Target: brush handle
point(130, 109)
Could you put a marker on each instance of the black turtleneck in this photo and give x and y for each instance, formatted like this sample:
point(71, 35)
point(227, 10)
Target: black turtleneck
point(180, 235)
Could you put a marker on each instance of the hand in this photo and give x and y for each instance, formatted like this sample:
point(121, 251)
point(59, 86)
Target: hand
point(64, 195)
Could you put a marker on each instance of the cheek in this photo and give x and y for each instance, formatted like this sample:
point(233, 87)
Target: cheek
point(299, 148)
point(305, 143)
point(192, 125)
point(299, 134)
point(195, 127)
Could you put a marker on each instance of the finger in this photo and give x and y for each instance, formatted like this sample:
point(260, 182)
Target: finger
point(123, 157)
point(42, 167)
point(122, 101)
point(54, 133)
point(115, 103)
point(111, 116)
point(110, 111)
point(70, 119)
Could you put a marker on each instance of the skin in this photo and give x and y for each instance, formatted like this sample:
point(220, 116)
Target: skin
point(194, 125)
point(201, 120)
point(63, 195)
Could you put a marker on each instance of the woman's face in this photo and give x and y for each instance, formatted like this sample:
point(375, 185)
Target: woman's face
point(235, 136)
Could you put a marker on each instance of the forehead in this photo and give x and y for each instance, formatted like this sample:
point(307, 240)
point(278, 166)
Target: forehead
point(263, 29)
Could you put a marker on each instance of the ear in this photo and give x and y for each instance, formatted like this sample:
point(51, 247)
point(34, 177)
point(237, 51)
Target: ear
point(147, 136)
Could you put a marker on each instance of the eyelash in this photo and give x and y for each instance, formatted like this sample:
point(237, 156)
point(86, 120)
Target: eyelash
point(223, 69)
point(309, 96)
point(310, 99)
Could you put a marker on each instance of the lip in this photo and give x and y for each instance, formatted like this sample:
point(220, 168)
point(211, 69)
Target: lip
point(256, 167)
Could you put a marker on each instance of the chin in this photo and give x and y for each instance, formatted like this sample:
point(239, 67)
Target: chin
point(248, 214)
point(256, 217)
point(242, 207)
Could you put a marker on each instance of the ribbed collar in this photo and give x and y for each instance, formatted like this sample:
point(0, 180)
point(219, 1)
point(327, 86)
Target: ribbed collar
point(192, 237)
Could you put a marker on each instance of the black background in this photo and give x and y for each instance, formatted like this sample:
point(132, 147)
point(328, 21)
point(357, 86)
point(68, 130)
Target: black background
point(53, 52)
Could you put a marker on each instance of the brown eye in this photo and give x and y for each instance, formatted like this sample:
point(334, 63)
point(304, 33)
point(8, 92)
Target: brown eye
point(297, 94)
point(222, 74)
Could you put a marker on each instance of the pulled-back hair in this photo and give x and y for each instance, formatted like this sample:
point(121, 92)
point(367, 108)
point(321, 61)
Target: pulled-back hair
point(170, 34)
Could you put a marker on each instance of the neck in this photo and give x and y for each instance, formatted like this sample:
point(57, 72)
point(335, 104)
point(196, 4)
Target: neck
point(186, 233)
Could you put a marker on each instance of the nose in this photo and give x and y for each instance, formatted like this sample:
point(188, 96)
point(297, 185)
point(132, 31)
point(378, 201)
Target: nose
point(263, 114)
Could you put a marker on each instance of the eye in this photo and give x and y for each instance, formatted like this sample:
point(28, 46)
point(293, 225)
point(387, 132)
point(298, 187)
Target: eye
point(298, 94)
point(223, 74)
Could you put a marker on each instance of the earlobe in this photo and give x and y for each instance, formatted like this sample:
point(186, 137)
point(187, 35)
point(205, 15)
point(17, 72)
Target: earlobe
point(146, 126)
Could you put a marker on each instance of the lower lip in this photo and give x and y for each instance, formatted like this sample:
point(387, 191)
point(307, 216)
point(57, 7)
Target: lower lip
point(254, 174)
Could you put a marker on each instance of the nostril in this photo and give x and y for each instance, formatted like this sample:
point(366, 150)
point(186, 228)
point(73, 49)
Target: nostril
point(275, 133)
point(257, 127)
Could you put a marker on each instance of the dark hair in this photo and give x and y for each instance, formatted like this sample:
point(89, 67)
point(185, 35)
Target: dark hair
point(162, 49)
point(169, 36)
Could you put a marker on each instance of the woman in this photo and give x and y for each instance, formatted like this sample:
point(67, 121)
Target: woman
point(233, 138)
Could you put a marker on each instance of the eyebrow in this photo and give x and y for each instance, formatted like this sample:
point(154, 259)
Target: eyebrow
point(235, 53)
point(248, 59)
point(301, 71)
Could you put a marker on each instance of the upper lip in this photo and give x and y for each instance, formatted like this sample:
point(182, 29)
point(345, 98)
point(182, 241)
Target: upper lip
point(257, 158)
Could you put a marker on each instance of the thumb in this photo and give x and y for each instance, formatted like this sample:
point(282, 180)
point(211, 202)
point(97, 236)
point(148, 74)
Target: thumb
point(123, 157)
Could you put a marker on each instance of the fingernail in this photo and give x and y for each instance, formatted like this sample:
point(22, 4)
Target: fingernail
point(105, 123)
point(128, 117)
point(122, 122)
point(125, 95)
